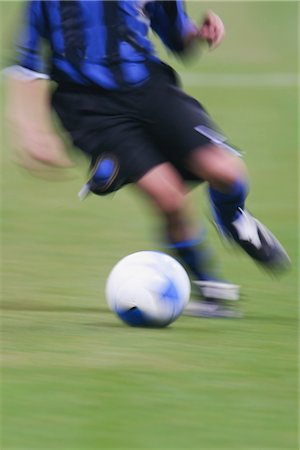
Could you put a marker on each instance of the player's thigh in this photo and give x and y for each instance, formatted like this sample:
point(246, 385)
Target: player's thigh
point(191, 140)
point(165, 187)
point(216, 165)
point(105, 133)
point(132, 151)
point(176, 123)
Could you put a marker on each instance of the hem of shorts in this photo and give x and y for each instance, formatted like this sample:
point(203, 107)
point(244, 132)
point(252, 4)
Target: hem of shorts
point(135, 178)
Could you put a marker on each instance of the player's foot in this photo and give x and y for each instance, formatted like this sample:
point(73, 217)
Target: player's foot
point(216, 300)
point(211, 309)
point(218, 290)
point(256, 240)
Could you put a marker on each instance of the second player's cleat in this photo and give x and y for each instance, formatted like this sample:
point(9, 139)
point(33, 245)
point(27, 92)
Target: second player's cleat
point(256, 240)
point(216, 300)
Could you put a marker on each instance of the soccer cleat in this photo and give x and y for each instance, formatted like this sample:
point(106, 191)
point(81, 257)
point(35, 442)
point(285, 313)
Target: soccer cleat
point(256, 240)
point(218, 290)
point(214, 300)
point(209, 309)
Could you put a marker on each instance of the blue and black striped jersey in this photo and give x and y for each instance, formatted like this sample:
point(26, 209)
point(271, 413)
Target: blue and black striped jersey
point(103, 42)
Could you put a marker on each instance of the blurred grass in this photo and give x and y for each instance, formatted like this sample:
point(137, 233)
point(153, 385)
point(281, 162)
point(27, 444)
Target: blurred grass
point(73, 377)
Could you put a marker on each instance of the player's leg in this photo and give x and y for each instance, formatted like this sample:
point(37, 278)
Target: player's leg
point(226, 175)
point(124, 154)
point(166, 189)
point(192, 141)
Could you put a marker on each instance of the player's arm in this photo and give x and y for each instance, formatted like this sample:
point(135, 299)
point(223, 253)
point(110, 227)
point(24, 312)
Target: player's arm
point(178, 32)
point(29, 118)
point(28, 91)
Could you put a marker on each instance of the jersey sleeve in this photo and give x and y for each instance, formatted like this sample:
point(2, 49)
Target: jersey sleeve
point(169, 20)
point(29, 42)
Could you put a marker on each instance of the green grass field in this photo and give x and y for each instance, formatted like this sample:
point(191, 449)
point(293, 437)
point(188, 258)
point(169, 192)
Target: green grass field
point(73, 376)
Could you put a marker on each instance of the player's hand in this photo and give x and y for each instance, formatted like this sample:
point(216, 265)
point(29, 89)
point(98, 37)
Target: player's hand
point(212, 30)
point(36, 145)
point(40, 152)
point(42, 146)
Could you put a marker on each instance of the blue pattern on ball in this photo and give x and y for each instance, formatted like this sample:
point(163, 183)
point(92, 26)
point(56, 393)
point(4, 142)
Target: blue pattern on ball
point(136, 318)
point(171, 295)
point(133, 317)
point(170, 291)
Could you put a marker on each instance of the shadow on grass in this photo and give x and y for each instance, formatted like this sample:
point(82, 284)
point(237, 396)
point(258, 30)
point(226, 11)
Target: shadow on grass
point(23, 307)
point(55, 308)
point(242, 322)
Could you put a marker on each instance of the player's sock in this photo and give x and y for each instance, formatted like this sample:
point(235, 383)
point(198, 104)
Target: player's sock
point(226, 206)
point(197, 257)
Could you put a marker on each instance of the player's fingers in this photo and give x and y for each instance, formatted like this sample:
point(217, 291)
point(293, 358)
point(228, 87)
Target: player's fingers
point(214, 39)
point(205, 33)
point(211, 35)
point(212, 30)
point(219, 32)
point(218, 37)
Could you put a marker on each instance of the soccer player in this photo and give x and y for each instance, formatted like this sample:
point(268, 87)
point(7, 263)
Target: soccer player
point(125, 110)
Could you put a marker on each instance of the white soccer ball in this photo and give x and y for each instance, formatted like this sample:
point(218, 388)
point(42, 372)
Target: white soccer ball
point(148, 289)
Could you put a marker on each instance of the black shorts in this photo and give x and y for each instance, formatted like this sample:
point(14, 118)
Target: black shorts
point(137, 128)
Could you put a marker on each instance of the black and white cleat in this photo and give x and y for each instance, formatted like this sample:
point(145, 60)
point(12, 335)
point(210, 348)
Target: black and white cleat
point(258, 242)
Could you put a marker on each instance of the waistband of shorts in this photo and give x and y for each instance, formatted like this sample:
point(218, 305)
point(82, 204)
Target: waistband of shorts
point(156, 70)
point(67, 86)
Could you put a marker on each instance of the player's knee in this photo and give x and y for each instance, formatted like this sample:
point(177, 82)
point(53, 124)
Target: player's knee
point(234, 171)
point(227, 171)
point(219, 167)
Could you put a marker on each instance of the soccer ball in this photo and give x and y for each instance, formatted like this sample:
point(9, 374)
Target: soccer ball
point(148, 289)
